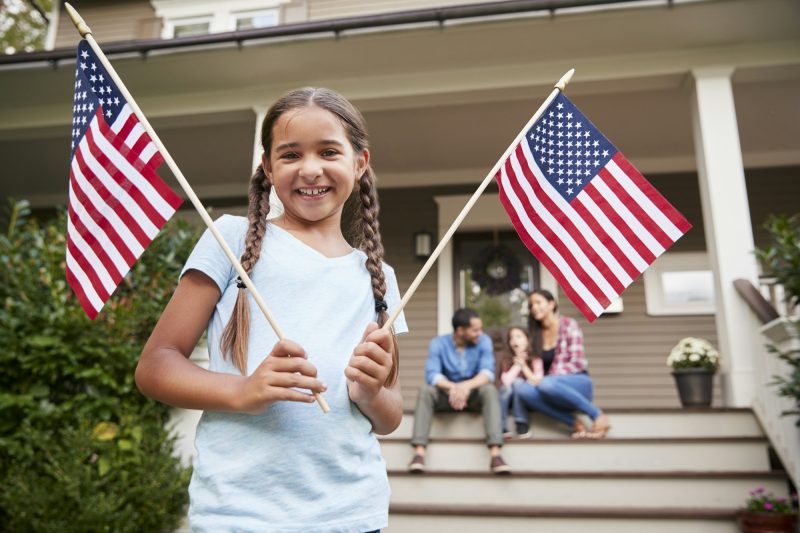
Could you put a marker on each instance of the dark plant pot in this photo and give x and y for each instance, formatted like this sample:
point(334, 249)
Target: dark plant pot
point(694, 386)
point(752, 522)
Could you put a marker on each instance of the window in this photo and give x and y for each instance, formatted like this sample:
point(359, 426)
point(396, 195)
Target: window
point(190, 26)
point(200, 17)
point(256, 19)
point(680, 283)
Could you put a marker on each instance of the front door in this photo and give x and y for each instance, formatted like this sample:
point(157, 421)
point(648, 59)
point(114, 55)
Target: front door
point(493, 274)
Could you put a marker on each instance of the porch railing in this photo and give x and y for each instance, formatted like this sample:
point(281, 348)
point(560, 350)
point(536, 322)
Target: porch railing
point(768, 407)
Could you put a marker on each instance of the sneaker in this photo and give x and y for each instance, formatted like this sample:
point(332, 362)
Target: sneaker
point(417, 464)
point(498, 466)
point(523, 431)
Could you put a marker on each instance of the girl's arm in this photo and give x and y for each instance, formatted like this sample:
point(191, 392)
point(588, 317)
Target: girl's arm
point(507, 378)
point(166, 374)
point(367, 372)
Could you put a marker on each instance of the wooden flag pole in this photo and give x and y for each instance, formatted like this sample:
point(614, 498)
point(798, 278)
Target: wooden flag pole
point(560, 86)
point(86, 33)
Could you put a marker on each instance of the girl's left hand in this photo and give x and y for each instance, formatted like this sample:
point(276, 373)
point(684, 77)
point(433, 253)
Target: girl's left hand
point(370, 364)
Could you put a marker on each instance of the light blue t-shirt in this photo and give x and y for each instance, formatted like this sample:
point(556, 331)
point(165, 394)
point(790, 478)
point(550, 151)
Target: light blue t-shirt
point(292, 468)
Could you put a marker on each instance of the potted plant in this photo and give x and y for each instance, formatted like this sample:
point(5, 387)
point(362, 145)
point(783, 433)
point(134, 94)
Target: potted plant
point(694, 362)
point(765, 513)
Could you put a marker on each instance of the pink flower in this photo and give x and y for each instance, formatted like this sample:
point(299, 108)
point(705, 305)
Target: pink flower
point(768, 506)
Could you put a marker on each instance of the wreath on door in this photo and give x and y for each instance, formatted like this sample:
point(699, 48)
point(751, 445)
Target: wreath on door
point(496, 269)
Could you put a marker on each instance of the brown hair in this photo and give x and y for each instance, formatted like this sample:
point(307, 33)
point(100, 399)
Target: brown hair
point(234, 337)
point(535, 326)
point(508, 356)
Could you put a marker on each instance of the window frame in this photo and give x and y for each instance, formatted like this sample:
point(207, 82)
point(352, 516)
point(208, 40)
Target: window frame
point(170, 24)
point(235, 16)
point(655, 300)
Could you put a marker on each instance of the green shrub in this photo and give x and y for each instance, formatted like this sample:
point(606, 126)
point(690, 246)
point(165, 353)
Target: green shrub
point(80, 448)
point(781, 258)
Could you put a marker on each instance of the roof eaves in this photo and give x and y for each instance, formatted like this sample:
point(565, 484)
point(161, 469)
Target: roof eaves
point(333, 27)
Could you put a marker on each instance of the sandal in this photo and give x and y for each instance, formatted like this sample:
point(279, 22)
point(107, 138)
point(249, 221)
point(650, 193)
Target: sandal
point(599, 428)
point(579, 430)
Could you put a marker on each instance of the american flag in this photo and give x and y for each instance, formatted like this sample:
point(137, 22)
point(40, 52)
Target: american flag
point(582, 209)
point(117, 202)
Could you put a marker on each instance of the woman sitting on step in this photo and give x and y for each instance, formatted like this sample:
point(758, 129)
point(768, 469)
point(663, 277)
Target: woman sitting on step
point(562, 386)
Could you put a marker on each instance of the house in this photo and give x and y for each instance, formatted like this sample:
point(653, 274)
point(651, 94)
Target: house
point(701, 95)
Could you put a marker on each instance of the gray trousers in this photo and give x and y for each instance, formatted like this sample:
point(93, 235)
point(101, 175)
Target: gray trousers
point(431, 399)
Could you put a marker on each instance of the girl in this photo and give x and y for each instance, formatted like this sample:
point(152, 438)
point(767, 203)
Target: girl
point(518, 366)
point(266, 459)
point(566, 386)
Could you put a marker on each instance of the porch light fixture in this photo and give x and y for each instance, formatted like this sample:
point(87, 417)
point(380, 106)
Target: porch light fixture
point(423, 241)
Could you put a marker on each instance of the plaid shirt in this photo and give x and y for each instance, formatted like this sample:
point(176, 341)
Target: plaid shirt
point(569, 358)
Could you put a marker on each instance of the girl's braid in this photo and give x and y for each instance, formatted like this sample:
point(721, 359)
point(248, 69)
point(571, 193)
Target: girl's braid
point(234, 337)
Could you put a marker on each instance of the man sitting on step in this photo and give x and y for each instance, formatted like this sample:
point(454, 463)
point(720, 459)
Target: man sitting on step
point(459, 376)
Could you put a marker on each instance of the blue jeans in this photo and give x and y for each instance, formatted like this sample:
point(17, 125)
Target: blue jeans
point(506, 401)
point(555, 396)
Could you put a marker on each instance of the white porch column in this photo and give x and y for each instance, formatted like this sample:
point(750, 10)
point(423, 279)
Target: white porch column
point(726, 219)
point(276, 208)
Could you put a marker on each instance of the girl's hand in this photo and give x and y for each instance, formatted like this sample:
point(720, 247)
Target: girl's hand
point(534, 380)
point(370, 365)
point(521, 359)
point(274, 380)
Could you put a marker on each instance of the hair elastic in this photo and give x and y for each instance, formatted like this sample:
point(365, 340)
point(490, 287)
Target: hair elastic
point(239, 283)
point(380, 305)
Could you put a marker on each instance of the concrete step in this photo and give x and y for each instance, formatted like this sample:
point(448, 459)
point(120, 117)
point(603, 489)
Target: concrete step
point(611, 454)
point(524, 519)
point(634, 423)
point(608, 490)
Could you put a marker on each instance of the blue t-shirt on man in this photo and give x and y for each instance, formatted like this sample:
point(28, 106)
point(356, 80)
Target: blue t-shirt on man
point(445, 361)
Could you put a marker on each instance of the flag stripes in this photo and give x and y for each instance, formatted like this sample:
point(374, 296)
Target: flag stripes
point(117, 203)
point(597, 235)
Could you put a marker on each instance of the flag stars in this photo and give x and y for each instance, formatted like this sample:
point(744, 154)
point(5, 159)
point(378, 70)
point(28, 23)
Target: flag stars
point(94, 67)
point(83, 66)
point(569, 191)
point(560, 105)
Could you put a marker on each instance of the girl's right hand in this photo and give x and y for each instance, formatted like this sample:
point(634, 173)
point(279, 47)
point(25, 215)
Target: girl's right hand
point(275, 379)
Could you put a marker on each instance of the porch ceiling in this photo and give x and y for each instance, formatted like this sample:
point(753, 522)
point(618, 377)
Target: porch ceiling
point(441, 103)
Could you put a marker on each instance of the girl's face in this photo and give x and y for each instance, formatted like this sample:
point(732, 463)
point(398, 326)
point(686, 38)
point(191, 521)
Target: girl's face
point(312, 165)
point(517, 341)
point(541, 307)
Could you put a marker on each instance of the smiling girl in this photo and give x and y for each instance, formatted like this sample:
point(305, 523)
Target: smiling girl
point(266, 459)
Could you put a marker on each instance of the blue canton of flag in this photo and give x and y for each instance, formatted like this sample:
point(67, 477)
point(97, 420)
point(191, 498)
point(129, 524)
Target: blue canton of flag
point(95, 88)
point(568, 148)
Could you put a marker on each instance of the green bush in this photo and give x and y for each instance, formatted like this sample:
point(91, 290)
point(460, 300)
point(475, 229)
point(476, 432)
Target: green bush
point(80, 448)
point(781, 258)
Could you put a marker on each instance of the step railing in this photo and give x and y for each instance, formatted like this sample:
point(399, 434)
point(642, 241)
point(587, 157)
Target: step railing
point(779, 331)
